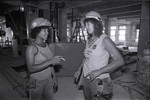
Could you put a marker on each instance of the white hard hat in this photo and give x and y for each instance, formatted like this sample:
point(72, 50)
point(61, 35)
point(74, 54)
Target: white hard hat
point(37, 22)
point(93, 14)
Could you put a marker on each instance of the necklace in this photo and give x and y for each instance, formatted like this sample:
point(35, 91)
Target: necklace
point(41, 44)
point(92, 40)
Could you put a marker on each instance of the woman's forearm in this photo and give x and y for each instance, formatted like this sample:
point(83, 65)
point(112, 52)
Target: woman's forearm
point(39, 67)
point(112, 66)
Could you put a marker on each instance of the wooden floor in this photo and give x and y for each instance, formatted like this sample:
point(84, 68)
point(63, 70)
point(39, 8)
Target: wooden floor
point(67, 89)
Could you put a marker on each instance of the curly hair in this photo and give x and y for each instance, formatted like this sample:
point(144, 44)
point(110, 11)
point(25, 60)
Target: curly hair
point(98, 26)
point(36, 31)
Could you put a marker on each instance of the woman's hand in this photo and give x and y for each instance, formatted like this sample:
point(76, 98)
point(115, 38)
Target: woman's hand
point(54, 80)
point(55, 84)
point(94, 74)
point(77, 76)
point(56, 60)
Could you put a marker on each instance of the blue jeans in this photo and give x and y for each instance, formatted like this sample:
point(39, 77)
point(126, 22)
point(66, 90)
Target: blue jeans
point(43, 90)
point(91, 89)
point(88, 89)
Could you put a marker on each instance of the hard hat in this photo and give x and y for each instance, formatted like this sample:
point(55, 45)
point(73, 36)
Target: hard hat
point(93, 14)
point(37, 22)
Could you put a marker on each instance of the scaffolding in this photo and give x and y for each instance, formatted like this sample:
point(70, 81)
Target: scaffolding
point(78, 34)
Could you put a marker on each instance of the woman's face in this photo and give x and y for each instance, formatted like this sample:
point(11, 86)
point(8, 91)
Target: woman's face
point(43, 34)
point(90, 27)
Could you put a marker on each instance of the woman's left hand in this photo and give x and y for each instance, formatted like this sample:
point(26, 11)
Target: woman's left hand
point(55, 84)
point(94, 74)
point(54, 80)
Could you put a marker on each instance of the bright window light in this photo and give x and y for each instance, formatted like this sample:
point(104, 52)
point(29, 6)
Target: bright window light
point(113, 27)
point(137, 35)
point(113, 33)
point(122, 34)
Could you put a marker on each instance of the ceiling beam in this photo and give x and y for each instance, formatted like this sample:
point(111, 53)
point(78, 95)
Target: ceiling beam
point(81, 3)
point(108, 5)
point(128, 12)
point(123, 6)
point(130, 17)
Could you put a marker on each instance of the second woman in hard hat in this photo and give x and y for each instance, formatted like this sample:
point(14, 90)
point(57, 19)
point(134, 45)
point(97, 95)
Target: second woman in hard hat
point(95, 65)
point(39, 59)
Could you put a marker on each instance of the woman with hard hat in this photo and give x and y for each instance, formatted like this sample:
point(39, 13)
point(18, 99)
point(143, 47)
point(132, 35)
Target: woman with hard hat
point(95, 67)
point(40, 59)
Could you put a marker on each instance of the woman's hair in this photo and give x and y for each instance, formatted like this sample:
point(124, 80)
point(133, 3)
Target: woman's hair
point(36, 31)
point(98, 26)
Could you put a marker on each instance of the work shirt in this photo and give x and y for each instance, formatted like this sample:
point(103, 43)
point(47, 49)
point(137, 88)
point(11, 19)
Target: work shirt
point(96, 56)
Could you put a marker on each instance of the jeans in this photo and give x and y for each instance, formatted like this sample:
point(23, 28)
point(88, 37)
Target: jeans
point(43, 90)
point(90, 91)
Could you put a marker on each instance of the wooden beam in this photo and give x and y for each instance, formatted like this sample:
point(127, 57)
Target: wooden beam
point(76, 4)
point(123, 6)
point(137, 17)
point(128, 12)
